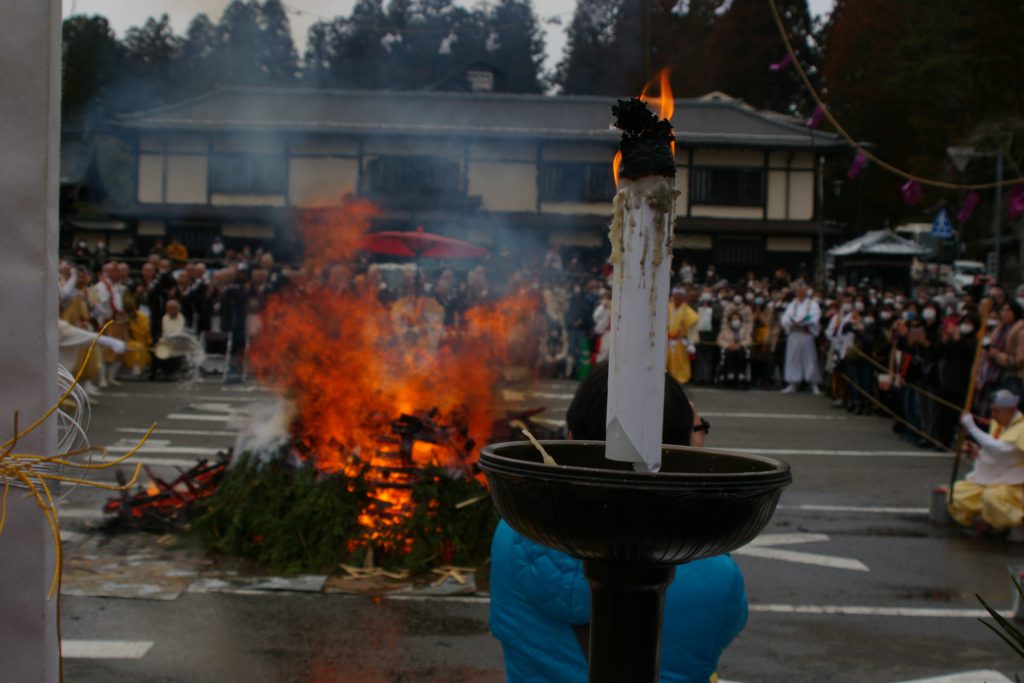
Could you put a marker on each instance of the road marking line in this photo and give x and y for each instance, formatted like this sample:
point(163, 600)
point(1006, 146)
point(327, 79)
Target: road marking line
point(871, 509)
point(764, 546)
point(840, 610)
point(980, 676)
point(185, 397)
point(211, 407)
point(105, 649)
point(864, 611)
point(79, 513)
point(774, 416)
point(823, 452)
point(180, 432)
point(548, 421)
point(765, 540)
point(470, 599)
point(830, 561)
point(157, 462)
point(200, 418)
point(166, 450)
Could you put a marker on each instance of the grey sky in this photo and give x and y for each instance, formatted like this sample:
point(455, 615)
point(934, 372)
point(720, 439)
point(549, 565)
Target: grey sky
point(124, 14)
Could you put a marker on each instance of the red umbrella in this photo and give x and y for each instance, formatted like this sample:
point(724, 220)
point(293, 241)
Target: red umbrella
point(418, 244)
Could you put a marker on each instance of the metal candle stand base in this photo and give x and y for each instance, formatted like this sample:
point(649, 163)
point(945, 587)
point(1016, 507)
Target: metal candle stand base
point(631, 529)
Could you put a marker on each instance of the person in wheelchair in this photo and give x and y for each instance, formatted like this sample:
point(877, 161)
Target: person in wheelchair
point(734, 342)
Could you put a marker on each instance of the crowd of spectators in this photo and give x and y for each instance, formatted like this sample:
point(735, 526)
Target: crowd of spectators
point(877, 350)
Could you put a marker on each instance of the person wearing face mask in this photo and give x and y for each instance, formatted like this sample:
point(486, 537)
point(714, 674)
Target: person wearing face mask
point(709, 312)
point(866, 338)
point(680, 319)
point(840, 336)
point(764, 339)
point(802, 322)
point(737, 304)
point(999, 364)
point(928, 367)
point(956, 348)
point(734, 342)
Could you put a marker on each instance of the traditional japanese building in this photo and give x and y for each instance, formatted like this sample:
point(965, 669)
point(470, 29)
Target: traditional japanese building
point(491, 168)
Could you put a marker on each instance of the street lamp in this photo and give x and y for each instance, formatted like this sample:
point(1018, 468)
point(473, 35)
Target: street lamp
point(960, 156)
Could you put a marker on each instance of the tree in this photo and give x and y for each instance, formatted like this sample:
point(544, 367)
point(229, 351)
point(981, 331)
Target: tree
point(93, 62)
point(279, 55)
point(254, 45)
point(152, 52)
point(587, 60)
point(515, 44)
point(745, 41)
point(196, 68)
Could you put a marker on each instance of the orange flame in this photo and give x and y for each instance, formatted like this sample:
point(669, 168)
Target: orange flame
point(666, 108)
point(353, 366)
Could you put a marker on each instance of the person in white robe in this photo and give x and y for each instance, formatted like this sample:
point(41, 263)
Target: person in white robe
point(802, 322)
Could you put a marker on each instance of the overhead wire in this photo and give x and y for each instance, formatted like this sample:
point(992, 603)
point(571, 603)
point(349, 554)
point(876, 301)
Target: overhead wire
point(878, 161)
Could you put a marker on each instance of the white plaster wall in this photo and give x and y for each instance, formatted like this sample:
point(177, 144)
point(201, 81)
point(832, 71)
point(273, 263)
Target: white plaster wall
point(186, 179)
point(321, 181)
point(151, 178)
point(504, 186)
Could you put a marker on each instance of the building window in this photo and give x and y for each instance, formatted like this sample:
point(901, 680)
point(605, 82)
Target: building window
point(727, 186)
point(413, 175)
point(576, 182)
point(248, 174)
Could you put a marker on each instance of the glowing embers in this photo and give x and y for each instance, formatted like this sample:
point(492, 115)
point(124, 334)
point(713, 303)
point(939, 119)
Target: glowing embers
point(381, 389)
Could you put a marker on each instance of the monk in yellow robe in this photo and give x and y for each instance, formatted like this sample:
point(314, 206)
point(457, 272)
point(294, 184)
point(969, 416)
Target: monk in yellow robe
point(136, 357)
point(680, 319)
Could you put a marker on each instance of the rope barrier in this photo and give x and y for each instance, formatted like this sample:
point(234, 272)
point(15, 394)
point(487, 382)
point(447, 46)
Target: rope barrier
point(925, 392)
point(893, 415)
point(941, 184)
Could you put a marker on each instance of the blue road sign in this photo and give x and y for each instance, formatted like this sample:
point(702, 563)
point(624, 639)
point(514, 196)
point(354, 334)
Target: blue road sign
point(942, 227)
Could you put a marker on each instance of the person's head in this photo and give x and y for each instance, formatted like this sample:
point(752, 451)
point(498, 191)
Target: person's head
point(267, 261)
point(967, 324)
point(930, 313)
point(1009, 312)
point(165, 265)
point(800, 287)
point(259, 277)
point(1004, 406)
point(148, 271)
point(588, 411)
point(173, 308)
point(107, 270)
point(735, 322)
point(678, 295)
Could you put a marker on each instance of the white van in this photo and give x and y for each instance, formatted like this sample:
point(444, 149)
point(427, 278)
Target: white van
point(963, 272)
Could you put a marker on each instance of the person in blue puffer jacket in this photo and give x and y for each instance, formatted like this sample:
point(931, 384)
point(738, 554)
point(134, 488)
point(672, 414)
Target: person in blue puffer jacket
point(540, 600)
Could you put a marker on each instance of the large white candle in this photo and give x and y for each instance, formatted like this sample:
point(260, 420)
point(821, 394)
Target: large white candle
point(641, 237)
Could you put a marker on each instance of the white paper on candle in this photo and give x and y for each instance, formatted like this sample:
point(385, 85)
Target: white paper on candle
point(641, 237)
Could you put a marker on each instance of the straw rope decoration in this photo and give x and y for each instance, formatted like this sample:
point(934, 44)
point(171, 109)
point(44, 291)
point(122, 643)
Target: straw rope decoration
point(941, 184)
point(33, 472)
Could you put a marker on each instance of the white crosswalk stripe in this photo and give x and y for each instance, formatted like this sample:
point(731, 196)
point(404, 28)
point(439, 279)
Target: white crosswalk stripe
point(105, 649)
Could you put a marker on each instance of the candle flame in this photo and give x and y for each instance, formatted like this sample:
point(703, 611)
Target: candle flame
point(666, 103)
point(666, 108)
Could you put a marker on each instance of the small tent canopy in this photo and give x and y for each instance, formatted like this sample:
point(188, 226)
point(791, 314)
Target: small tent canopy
point(881, 257)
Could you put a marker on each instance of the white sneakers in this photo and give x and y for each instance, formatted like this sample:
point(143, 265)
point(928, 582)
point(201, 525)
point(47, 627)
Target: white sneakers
point(790, 389)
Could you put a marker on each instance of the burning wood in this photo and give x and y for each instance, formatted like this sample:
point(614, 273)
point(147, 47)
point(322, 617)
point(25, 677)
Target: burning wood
point(374, 399)
point(167, 505)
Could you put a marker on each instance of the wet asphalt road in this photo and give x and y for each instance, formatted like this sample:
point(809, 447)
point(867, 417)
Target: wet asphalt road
point(850, 581)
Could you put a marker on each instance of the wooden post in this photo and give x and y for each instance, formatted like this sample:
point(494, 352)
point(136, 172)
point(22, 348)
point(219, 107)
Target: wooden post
point(30, 71)
point(986, 309)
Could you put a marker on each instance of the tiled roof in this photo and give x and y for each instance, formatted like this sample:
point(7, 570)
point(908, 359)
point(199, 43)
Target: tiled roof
point(699, 122)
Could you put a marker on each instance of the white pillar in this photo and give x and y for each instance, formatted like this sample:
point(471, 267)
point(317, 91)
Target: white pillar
point(29, 166)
